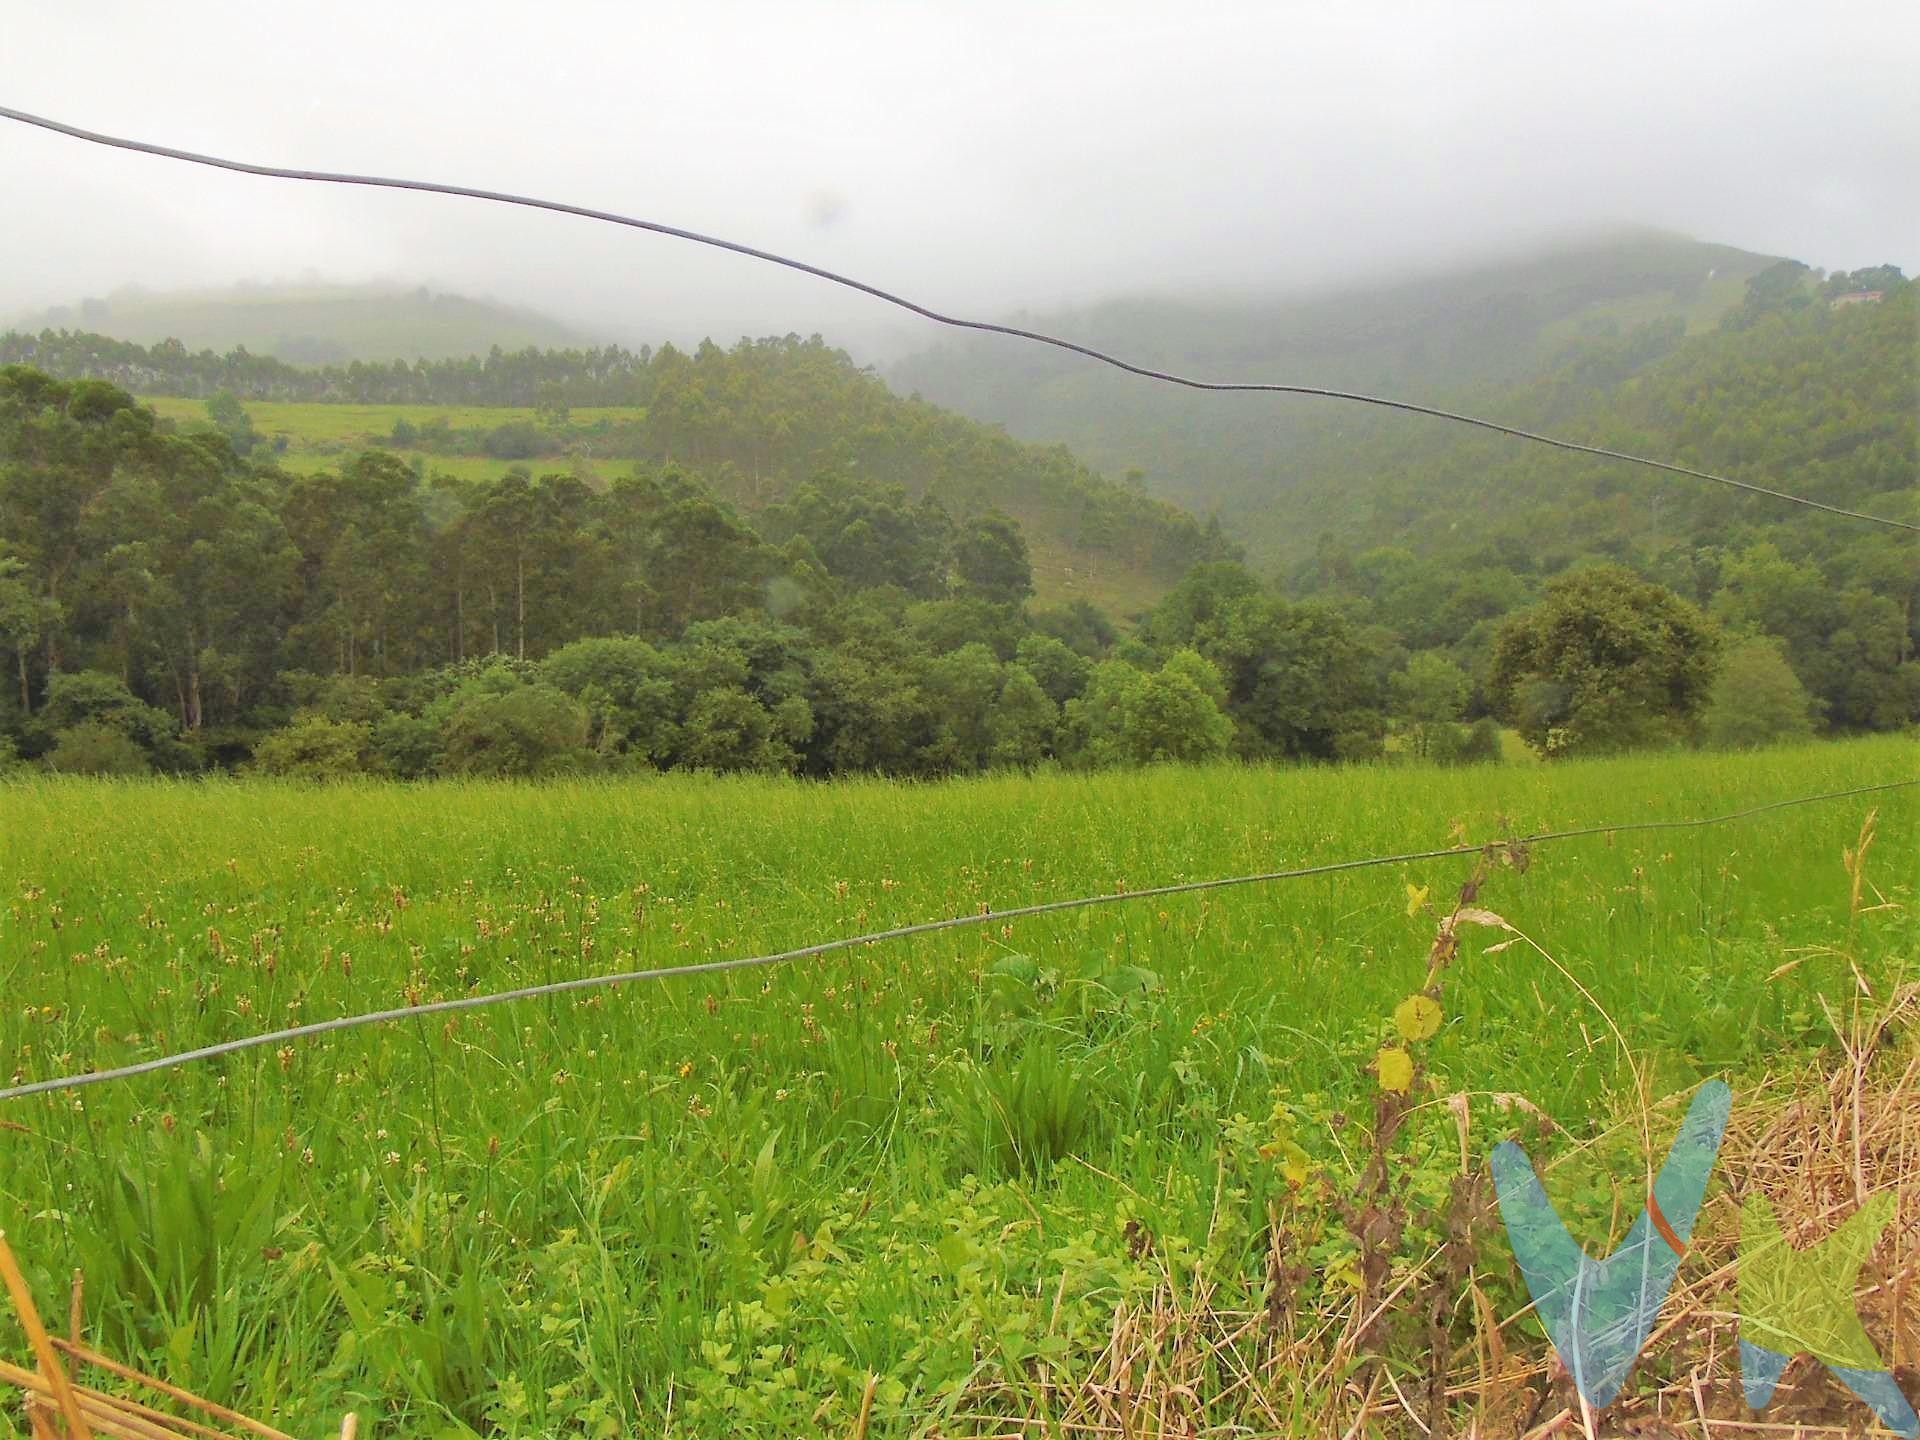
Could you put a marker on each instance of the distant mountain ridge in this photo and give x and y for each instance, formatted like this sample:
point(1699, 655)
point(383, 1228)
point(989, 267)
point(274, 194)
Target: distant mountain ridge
point(311, 323)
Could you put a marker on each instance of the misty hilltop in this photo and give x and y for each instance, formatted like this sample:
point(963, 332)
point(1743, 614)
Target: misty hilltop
point(1429, 339)
point(310, 323)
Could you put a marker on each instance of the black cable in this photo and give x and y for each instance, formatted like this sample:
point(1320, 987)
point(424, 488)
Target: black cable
point(925, 927)
point(279, 172)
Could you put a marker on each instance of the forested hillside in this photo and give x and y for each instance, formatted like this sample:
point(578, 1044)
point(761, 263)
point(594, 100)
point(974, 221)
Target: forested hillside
point(1790, 391)
point(761, 558)
point(757, 422)
point(1435, 535)
point(1427, 339)
point(308, 324)
point(1432, 537)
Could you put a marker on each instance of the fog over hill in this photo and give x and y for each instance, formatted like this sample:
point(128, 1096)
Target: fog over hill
point(981, 158)
point(310, 322)
point(1437, 338)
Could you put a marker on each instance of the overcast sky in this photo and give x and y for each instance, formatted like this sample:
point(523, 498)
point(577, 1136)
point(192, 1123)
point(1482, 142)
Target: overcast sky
point(979, 157)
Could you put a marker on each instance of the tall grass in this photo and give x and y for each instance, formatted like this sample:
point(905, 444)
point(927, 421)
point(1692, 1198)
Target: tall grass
point(715, 1207)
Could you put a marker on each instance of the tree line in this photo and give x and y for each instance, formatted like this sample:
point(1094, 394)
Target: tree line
point(171, 604)
point(171, 599)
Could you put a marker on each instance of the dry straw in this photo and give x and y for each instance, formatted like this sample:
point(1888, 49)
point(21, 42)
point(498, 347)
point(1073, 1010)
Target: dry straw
point(60, 1407)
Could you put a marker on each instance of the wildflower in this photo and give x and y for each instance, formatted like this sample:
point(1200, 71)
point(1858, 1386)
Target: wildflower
point(686, 1069)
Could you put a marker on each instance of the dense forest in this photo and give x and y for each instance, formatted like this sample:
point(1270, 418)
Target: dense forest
point(1789, 391)
point(798, 571)
point(1451, 532)
point(171, 604)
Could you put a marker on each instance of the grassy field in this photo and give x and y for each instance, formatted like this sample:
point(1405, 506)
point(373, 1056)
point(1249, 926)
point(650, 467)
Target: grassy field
point(319, 436)
point(964, 1163)
point(308, 424)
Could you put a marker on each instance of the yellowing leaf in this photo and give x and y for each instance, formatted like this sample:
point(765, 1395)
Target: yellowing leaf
point(1417, 1017)
point(1395, 1069)
point(1416, 897)
point(1293, 1161)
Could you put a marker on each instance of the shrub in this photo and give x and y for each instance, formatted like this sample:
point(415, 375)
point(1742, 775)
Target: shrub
point(316, 748)
point(94, 747)
point(727, 729)
point(1475, 744)
point(532, 730)
point(1757, 699)
point(81, 697)
point(517, 440)
point(407, 746)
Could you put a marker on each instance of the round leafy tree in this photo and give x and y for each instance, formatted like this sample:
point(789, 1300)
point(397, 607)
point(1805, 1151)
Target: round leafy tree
point(1605, 662)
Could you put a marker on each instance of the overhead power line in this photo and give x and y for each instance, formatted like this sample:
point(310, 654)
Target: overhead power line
point(434, 187)
point(899, 932)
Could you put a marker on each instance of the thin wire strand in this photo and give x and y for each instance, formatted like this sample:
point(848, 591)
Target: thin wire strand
point(433, 187)
point(900, 932)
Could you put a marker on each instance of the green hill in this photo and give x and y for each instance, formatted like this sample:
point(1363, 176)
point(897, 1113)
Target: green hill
point(1788, 391)
point(1436, 533)
point(757, 423)
point(1429, 339)
point(310, 324)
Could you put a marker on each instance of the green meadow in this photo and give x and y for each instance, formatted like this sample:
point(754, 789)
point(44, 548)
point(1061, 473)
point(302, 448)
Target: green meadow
point(916, 1187)
point(322, 435)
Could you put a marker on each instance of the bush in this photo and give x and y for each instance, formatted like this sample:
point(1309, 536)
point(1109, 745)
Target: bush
point(94, 747)
point(532, 730)
point(81, 697)
point(517, 440)
point(407, 746)
point(1475, 744)
point(727, 729)
point(1757, 699)
point(626, 686)
point(87, 698)
point(316, 748)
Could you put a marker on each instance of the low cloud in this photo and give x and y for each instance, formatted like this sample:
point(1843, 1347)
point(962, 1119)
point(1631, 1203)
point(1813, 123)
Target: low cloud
point(978, 157)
